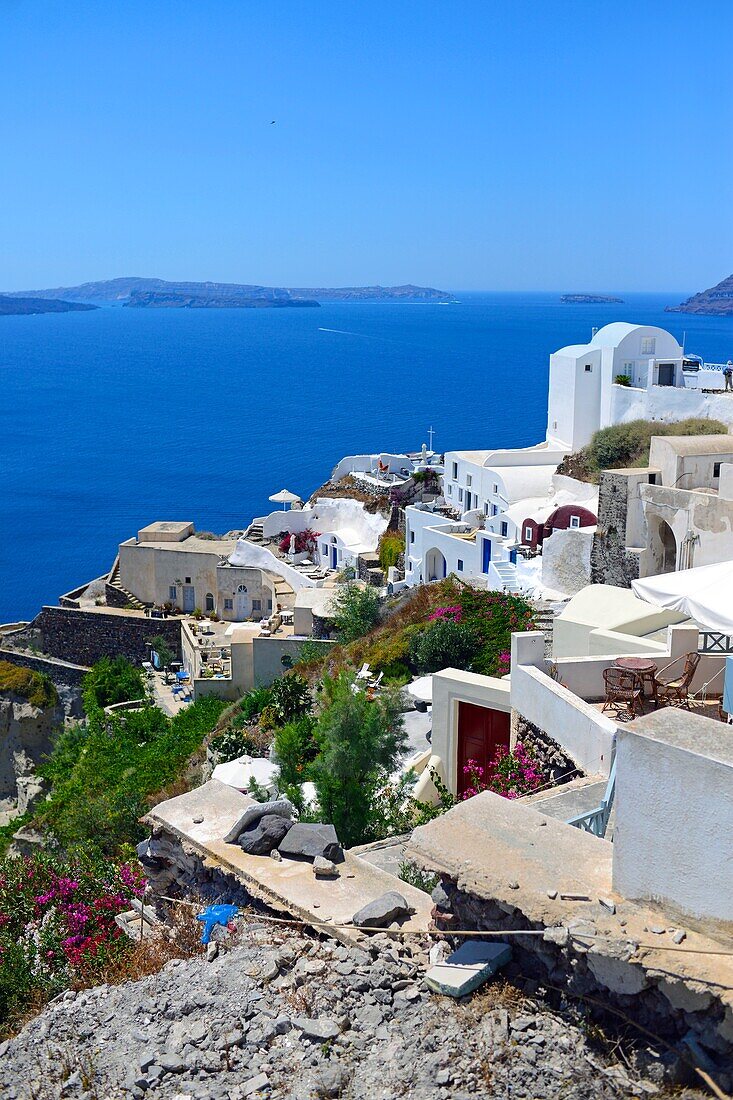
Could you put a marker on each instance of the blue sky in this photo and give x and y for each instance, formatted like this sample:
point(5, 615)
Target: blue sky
point(499, 146)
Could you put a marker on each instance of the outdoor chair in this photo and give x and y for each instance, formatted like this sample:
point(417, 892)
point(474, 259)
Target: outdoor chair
point(675, 691)
point(624, 692)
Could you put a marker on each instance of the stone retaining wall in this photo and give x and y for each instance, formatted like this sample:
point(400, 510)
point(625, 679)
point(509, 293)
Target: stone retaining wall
point(84, 637)
point(548, 753)
point(670, 1008)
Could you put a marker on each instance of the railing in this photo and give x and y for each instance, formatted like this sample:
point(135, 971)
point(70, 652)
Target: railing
point(596, 821)
point(712, 641)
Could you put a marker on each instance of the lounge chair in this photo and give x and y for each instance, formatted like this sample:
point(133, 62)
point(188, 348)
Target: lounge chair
point(364, 673)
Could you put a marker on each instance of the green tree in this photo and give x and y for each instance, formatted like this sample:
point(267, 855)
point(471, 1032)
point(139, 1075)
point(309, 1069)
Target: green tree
point(360, 741)
point(112, 680)
point(444, 644)
point(354, 611)
point(295, 750)
point(164, 651)
point(289, 697)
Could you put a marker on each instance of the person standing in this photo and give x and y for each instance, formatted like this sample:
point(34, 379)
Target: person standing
point(728, 375)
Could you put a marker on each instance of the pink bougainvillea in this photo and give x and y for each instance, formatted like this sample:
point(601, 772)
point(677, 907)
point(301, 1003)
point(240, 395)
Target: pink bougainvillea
point(305, 541)
point(510, 774)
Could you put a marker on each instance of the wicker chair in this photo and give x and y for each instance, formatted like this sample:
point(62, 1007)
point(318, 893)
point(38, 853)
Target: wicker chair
point(675, 691)
point(624, 692)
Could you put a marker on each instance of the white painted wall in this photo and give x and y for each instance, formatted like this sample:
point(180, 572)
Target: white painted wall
point(566, 560)
point(583, 732)
point(259, 557)
point(668, 403)
point(674, 815)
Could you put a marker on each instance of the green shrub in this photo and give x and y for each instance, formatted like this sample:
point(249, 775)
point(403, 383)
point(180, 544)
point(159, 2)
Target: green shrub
point(415, 876)
point(391, 545)
point(622, 445)
point(36, 687)
point(623, 379)
point(112, 680)
point(289, 698)
point(103, 774)
point(254, 702)
point(444, 644)
point(354, 610)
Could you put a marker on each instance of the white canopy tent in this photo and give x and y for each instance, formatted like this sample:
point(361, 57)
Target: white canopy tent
point(704, 593)
point(239, 773)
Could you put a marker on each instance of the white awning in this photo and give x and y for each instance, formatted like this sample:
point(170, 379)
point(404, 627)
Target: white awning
point(704, 593)
point(422, 689)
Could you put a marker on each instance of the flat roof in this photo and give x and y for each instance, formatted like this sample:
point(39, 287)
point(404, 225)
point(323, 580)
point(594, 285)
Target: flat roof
point(683, 730)
point(698, 444)
point(168, 526)
point(195, 545)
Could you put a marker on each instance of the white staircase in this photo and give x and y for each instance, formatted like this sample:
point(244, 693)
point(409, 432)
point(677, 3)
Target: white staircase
point(507, 575)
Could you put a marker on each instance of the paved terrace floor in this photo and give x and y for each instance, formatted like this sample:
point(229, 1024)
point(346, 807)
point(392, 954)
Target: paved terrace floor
point(288, 885)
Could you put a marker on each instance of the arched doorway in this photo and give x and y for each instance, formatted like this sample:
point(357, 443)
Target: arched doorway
point(241, 605)
point(668, 547)
point(435, 565)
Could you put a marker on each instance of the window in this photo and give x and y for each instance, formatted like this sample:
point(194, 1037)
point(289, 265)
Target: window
point(412, 536)
point(494, 509)
point(172, 592)
point(188, 580)
point(588, 368)
point(495, 490)
point(486, 508)
point(455, 471)
point(256, 605)
point(450, 490)
point(469, 479)
point(505, 529)
point(652, 479)
point(460, 495)
point(527, 533)
point(716, 469)
point(324, 548)
point(575, 521)
point(648, 345)
point(409, 568)
point(269, 605)
point(228, 605)
point(209, 602)
point(460, 565)
point(242, 588)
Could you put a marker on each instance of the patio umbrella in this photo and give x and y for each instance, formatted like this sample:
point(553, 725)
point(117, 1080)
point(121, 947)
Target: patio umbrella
point(422, 689)
point(284, 497)
point(240, 772)
point(705, 593)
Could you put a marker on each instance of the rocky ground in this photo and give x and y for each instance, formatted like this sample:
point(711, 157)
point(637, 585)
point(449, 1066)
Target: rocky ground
point(285, 1015)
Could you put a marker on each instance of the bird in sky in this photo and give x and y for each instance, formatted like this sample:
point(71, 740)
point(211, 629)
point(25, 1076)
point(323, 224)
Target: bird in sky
point(273, 122)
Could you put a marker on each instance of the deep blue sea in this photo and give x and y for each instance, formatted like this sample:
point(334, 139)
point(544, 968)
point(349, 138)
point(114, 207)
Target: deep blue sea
point(114, 418)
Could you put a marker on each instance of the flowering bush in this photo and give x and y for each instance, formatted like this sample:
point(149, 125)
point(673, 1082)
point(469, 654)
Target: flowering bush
point(509, 774)
point(447, 614)
point(305, 541)
point(57, 924)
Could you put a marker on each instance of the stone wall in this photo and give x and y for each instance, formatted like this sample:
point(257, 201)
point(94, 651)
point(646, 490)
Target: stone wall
point(669, 1006)
point(610, 560)
point(84, 637)
point(26, 738)
point(548, 753)
point(369, 570)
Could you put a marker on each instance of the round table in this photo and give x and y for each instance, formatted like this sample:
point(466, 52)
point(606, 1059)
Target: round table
point(644, 668)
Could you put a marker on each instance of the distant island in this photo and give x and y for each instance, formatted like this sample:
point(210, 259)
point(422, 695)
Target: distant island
point(717, 302)
point(589, 299)
point(129, 289)
point(161, 300)
point(14, 307)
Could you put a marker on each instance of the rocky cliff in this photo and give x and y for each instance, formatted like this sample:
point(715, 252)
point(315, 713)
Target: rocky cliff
point(717, 301)
point(30, 715)
point(13, 306)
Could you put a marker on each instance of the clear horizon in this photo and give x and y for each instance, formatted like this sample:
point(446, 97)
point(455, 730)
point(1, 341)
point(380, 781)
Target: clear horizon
point(469, 147)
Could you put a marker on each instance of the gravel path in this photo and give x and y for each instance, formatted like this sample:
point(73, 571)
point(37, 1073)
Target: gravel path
point(284, 1015)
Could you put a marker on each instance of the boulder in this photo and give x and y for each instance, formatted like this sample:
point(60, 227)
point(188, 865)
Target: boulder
point(321, 1030)
point(264, 835)
point(306, 841)
point(324, 868)
point(381, 912)
point(281, 807)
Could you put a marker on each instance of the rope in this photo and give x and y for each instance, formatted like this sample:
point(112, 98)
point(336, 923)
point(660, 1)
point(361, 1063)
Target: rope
point(500, 934)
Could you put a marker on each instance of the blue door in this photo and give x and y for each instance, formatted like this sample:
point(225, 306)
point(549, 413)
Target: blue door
point(333, 557)
point(513, 557)
point(486, 555)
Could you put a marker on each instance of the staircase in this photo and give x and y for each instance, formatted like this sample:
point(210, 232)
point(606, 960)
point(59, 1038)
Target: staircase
point(507, 574)
point(545, 621)
point(255, 532)
point(120, 596)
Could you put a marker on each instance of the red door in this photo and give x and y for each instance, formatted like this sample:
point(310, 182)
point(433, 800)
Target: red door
point(480, 732)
